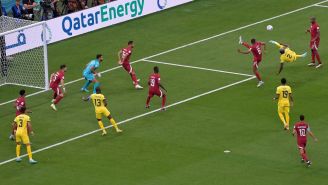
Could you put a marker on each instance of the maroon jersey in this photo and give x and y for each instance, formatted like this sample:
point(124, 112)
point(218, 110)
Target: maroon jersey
point(126, 54)
point(20, 102)
point(314, 30)
point(256, 50)
point(154, 81)
point(56, 78)
point(301, 129)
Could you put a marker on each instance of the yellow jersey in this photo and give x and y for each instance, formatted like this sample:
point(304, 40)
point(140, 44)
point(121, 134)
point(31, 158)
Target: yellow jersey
point(284, 92)
point(98, 100)
point(288, 56)
point(22, 121)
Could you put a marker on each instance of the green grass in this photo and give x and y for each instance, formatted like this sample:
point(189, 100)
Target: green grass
point(185, 144)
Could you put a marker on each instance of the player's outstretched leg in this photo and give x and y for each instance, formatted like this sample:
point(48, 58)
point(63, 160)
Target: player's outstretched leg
point(101, 125)
point(95, 86)
point(113, 122)
point(135, 80)
point(258, 76)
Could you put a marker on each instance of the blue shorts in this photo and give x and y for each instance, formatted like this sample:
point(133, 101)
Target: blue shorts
point(89, 77)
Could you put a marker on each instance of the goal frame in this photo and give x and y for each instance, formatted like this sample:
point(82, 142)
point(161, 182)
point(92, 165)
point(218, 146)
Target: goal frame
point(45, 53)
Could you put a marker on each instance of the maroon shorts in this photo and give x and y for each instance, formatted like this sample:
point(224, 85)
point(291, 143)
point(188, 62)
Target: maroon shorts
point(57, 90)
point(127, 67)
point(256, 62)
point(157, 92)
point(314, 45)
point(301, 144)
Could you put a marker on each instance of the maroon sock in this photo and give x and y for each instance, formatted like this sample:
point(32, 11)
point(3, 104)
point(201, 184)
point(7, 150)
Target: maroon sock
point(258, 76)
point(163, 100)
point(57, 100)
point(313, 56)
point(148, 101)
point(318, 57)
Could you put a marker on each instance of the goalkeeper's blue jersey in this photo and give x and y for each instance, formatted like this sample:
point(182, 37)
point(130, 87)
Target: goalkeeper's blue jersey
point(93, 64)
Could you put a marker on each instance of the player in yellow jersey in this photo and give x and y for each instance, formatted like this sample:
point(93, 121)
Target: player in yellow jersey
point(99, 101)
point(286, 54)
point(285, 101)
point(24, 128)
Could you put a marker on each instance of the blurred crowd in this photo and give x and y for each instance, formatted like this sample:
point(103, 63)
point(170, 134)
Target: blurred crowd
point(40, 10)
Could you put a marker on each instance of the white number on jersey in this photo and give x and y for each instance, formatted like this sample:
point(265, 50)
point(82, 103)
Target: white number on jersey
point(302, 132)
point(152, 82)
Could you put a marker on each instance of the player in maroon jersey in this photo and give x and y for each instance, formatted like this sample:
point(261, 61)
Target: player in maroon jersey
point(301, 129)
point(124, 60)
point(315, 41)
point(154, 88)
point(18, 104)
point(256, 49)
point(57, 79)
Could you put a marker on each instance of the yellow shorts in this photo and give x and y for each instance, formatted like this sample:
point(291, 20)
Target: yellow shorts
point(102, 112)
point(283, 109)
point(22, 137)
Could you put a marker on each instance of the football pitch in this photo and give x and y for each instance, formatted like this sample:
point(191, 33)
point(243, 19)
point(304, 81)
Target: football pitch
point(213, 102)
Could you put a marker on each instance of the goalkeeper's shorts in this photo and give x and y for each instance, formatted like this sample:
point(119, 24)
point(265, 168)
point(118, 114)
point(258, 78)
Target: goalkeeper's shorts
point(89, 77)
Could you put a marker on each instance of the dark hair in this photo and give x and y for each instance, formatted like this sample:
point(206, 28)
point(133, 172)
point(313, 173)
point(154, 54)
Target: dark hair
point(283, 81)
point(22, 109)
point(253, 41)
point(98, 56)
point(156, 69)
point(62, 66)
point(98, 90)
point(282, 51)
point(130, 42)
point(22, 92)
point(302, 117)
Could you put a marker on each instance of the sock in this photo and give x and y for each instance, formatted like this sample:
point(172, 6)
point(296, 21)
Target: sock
point(163, 100)
point(281, 116)
point(134, 78)
point(257, 74)
point(148, 100)
point(29, 151)
point(318, 57)
point(287, 119)
point(57, 100)
point(101, 125)
point(86, 85)
point(112, 121)
point(304, 156)
point(97, 84)
point(18, 147)
point(55, 96)
point(313, 56)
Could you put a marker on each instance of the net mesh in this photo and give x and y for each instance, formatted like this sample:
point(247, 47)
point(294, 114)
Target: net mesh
point(22, 53)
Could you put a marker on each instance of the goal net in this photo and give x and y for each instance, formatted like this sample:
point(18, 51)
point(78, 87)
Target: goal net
point(23, 46)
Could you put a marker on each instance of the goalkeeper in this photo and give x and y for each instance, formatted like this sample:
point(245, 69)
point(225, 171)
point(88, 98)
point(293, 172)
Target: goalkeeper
point(286, 54)
point(89, 73)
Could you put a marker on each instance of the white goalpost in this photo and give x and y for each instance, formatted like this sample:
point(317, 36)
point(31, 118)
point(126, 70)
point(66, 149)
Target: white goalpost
point(24, 57)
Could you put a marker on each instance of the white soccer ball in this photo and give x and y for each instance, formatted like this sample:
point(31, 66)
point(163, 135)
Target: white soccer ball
point(269, 27)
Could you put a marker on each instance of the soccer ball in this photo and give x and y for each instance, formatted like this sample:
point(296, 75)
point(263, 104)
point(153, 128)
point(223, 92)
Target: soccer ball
point(269, 27)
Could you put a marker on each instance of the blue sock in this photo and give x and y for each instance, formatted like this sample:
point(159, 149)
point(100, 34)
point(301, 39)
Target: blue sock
point(97, 84)
point(86, 85)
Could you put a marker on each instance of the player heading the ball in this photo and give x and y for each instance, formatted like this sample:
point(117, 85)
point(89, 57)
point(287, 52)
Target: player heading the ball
point(89, 73)
point(286, 54)
point(100, 102)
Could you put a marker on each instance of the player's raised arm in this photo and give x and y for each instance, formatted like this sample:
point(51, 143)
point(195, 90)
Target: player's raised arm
point(244, 52)
point(120, 58)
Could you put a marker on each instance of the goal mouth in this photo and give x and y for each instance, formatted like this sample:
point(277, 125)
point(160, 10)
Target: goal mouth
point(23, 47)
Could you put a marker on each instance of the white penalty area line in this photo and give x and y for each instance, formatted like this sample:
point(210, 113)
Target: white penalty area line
point(187, 45)
point(199, 68)
point(133, 118)
point(322, 6)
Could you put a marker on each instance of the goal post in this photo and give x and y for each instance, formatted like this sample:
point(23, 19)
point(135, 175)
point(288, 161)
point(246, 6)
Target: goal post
point(26, 57)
